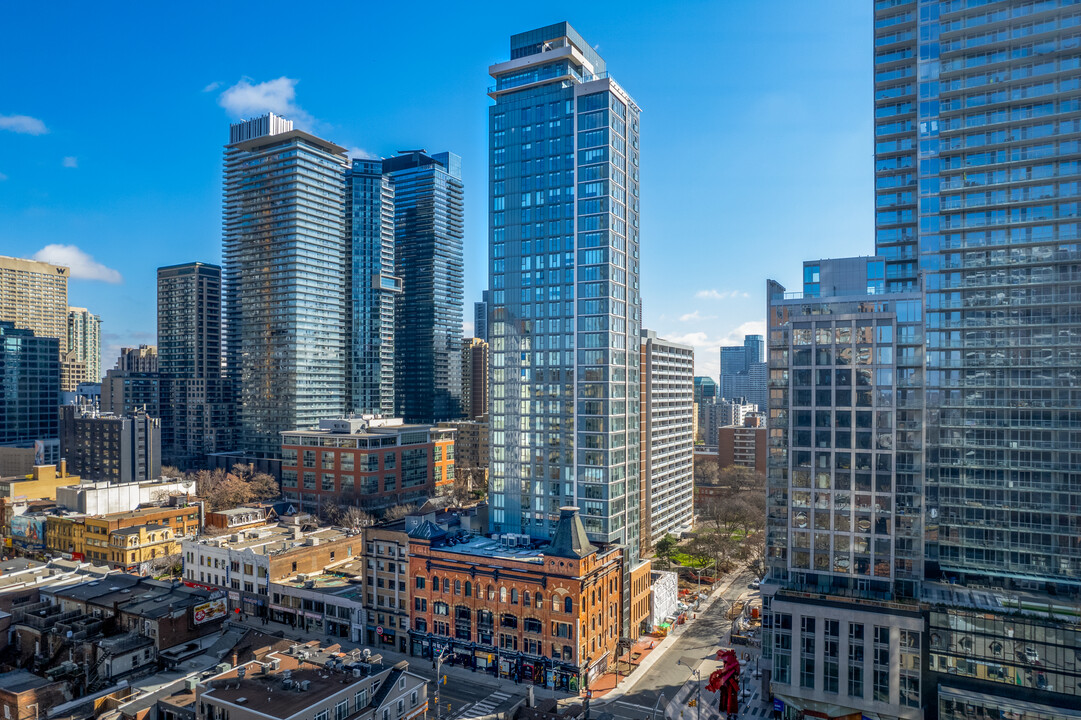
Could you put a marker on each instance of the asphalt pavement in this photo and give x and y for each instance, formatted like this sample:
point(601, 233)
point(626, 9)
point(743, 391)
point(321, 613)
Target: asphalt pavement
point(676, 674)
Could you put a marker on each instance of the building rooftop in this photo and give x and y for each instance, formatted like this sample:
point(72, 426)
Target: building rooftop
point(230, 512)
point(17, 681)
point(260, 687)
point(275, 539)
point(338, 585)
point(493, 549)
point(149, 527)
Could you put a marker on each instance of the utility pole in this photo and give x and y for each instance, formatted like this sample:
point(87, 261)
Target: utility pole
point(438, 678)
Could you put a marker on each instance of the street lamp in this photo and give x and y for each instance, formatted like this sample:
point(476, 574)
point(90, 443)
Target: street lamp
point(438, 677)
point(698, 675)
point(656, 705)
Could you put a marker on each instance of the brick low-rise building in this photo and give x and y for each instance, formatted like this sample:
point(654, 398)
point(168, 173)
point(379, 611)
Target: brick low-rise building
point(549, 616)
point(369, 461)
point(742, 446)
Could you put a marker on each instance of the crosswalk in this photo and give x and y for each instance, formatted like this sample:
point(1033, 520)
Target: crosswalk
point(480, 708)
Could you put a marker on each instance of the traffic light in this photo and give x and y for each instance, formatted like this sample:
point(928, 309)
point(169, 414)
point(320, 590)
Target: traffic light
point(692, 703)
point(444, 679)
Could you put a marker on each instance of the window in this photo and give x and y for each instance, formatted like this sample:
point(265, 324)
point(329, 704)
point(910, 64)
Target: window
point(568, 605)
point(502, 594)
point(420, 582)
point(457, 587)
point(341, 710)
point(468, 589)
point(413, 699)
point(360, 701)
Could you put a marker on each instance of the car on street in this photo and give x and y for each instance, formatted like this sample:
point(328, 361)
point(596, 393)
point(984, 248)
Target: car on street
point(754, 585)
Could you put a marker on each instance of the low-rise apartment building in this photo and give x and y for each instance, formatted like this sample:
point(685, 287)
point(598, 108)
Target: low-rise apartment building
point(370, 462)
point(742, 446)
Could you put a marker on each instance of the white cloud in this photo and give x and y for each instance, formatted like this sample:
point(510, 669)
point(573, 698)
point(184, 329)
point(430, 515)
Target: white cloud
point(361, 154)
point(468, 329)
point(707, 347)
point(245, 100)
point(23, 124)
point(71, 161)
point(82, 265)
point(688, 317)
point(713, 294)
point(212, 86)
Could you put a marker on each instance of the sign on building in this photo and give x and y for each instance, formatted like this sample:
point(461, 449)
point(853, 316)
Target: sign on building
point(210, 611)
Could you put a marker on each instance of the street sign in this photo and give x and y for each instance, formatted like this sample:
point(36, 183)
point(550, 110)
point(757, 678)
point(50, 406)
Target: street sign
point(379, 630)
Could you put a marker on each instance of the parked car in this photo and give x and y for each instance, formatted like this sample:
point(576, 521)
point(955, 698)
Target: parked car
point(754, 585)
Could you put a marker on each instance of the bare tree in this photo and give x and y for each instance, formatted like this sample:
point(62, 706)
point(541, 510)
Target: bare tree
point(355, 518)
point(398, 512)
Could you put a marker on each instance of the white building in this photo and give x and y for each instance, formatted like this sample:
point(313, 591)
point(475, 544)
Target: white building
point(102, 498)
point(667, 404)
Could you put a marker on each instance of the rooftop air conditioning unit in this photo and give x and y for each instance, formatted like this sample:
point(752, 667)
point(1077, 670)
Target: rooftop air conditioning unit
point(305, 684)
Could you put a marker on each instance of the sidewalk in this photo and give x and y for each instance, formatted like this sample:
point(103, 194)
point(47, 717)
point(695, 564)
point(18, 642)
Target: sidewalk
point(604, 695)
point(422, 666)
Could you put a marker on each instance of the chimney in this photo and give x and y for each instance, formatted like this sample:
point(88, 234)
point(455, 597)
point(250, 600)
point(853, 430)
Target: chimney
point(63, 468)
point(234, 659)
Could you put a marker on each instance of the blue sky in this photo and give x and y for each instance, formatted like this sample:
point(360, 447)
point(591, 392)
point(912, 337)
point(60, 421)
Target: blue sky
point(756, 133)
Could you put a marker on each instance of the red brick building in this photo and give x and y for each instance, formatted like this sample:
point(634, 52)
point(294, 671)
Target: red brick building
point(549, 616)
point(368, 461)
point(742, 447)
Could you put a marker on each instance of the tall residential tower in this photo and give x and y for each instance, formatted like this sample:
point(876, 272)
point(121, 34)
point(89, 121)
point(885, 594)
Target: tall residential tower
point(285, 271)
point(565, 307)
point(428, 234)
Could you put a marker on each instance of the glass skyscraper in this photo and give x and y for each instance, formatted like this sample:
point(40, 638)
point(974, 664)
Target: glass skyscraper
point(565, 307)
point(429, 231)
point(369, 214)
point(977, 116)
point(29, 392)
point(285, 272)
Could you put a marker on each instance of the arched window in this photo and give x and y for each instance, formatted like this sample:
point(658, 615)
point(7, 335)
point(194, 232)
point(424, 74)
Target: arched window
point(514, 596)
point(555, 604)
point(502, 594)
point(435, 583)
point(568, 654)
point(457, 587)
point(491, 593)
point(539, 600)
point(568, 605)
point(468, 589)
point(525, 599)
point(446, 585)
point(420, 582)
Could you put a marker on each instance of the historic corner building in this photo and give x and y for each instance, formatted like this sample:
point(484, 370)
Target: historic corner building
point(549, 616)
point(565, 305)
point(942, 579)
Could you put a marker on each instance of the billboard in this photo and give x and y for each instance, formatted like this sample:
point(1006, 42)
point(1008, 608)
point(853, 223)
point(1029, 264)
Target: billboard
point(210, 611)
point(30, 529)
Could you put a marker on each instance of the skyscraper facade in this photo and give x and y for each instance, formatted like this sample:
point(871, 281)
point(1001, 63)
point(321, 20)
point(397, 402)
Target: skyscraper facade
point(475, 375)
point(667, 443)
point(29, 392)
point(285, 270)
point(84, 338)
point(976, 172)
point(34, 295)
point(373, 287)
point(844, 545)
point(428, 255)
point(743, 371)
point(198, 413)
point(480, 317)
point(565, 306)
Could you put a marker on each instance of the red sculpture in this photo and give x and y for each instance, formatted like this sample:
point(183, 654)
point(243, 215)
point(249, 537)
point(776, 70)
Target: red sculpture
point(726, 680)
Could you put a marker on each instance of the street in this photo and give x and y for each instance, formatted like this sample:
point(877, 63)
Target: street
point(695, 648)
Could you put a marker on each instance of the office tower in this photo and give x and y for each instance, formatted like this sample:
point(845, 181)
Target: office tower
point(29, 392)
point(667, 442)
point(198, 413)
point(117, 448)
point(284, 280)
point(84, 339)
point(705, 388)
point(34, 295)
point(428, 237)
point(563, 229)
point(373, 287)
point(480, 317)
point(72, 371)
point(475, 374)
point(743, 371)
point(844, 537)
